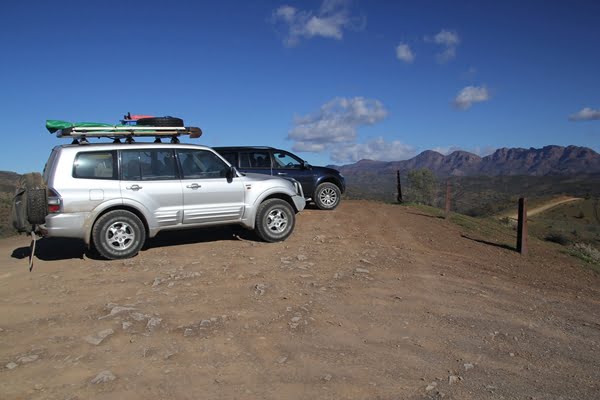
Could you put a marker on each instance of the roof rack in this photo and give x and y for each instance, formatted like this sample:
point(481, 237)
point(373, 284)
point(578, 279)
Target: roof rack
point(128, 132)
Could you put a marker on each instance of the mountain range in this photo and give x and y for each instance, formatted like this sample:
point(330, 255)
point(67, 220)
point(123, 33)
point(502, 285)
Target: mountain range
point(549, 160)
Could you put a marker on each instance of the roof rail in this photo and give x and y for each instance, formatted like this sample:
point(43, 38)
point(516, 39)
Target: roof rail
point(128, 132)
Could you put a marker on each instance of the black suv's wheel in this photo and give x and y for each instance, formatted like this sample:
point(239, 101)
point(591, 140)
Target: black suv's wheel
point(327, 196)
point(160, 121)
point(118, 234)
point(275, 220)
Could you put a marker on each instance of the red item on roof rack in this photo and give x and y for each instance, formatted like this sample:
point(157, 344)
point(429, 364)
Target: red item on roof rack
point(138, 116)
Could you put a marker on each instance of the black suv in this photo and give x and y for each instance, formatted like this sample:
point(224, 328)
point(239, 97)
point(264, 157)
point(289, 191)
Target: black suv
point(322, 185)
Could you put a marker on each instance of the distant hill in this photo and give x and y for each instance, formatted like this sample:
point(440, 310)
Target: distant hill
point(8, 183)
point(549, 160)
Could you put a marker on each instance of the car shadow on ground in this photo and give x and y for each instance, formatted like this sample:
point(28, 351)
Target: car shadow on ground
point(199, 235)
point(501, 245)
point(53, 249)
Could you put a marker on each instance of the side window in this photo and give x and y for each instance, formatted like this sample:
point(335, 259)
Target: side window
point(255, 159)
point(286, 160)
point(95, 165)
point(201, 164)
point(148, 165)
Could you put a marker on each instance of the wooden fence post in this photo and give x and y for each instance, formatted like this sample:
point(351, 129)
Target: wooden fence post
point(448, 198)
point(522, 227)
point(399, 198)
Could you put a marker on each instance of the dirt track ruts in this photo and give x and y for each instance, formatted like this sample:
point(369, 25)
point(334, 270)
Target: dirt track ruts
point(370, 301)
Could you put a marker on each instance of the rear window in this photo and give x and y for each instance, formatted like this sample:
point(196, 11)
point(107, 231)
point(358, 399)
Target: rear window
point(49, 164)
point(95, 165)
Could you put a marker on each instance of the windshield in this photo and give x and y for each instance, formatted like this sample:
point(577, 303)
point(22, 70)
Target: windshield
point(286, 160)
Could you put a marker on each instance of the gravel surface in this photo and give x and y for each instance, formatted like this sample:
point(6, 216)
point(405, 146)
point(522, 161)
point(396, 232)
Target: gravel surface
point(370, 301)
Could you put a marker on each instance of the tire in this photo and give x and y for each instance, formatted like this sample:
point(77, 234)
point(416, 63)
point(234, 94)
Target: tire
point(118, 234)
point(275, 220)
point(29, 206)
point(160, 121)
point(37, 206)
point(327, 196)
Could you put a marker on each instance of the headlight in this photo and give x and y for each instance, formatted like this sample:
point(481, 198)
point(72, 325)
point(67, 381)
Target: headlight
point(298, 187)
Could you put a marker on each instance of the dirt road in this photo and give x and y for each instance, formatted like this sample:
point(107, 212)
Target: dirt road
point(546, 206)
point(370, 301)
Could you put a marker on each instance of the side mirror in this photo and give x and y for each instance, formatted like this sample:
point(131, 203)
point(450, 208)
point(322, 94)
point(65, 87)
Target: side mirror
point(230, 174)
point(305, 165)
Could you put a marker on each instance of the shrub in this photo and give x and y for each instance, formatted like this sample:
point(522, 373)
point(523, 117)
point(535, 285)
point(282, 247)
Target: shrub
point(586, 252)
point(557, 237)
point(506, 221)
point(421, 186)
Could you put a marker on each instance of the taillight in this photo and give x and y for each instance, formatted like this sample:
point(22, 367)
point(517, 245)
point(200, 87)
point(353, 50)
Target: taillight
point(54, 202)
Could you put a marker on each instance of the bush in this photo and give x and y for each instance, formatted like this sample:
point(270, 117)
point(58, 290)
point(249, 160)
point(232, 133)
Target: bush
point(586, 252)
point(557, 237)
point(421, 186)
point(508, 221)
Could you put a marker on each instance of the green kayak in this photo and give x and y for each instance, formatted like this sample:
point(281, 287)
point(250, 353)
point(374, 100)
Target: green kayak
point(54, 125)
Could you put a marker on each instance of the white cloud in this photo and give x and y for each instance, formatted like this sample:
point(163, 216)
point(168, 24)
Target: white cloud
point(334, 129)
point(287, 13)
point(586, 114)
point(480, 151)
point(449, 40)
point(331, 5)
point(404, 53)
point(337, 120)
point(309, 147)
point(470, 95)
point(329, 21)
point(445, 150)
point(375, 149)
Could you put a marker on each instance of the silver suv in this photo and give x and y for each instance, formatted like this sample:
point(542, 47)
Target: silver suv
point(115, 196)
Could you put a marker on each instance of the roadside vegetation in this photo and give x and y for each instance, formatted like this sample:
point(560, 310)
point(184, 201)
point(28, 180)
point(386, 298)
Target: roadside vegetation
point(574, 226)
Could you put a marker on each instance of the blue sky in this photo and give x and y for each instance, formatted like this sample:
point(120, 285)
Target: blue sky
point(334, 80)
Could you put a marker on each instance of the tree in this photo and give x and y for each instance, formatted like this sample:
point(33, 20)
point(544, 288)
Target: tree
point(421, 186)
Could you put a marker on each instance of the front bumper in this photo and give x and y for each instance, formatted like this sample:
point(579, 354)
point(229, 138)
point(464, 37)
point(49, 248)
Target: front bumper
point(299, 202)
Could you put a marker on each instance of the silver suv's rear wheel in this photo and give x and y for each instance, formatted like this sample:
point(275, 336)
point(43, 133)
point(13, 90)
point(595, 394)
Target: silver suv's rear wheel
point(118, 234)
point(327, 196)
point(275, 220)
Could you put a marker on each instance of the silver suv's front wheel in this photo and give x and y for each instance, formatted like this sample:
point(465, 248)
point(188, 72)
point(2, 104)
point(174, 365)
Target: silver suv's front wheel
point(118, 234)
point(275, 220)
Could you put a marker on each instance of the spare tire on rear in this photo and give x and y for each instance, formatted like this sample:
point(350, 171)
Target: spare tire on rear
point(160, 121)
point(29, 206)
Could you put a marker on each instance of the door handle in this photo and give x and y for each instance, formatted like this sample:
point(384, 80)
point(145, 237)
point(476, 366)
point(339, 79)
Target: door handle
point(193, 186)
point(134, 187)
point(282, 173)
